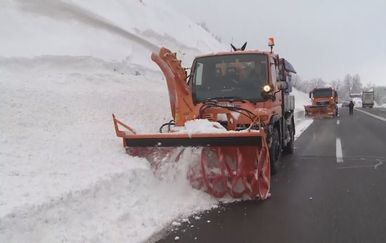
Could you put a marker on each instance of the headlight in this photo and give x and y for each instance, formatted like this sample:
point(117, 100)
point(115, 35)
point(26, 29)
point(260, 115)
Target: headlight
point(267, 88)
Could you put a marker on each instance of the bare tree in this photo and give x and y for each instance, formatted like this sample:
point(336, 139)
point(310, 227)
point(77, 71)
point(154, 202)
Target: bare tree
point(336, 84)
point(356, 84)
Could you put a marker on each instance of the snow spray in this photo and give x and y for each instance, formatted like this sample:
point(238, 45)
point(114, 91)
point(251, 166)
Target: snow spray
point(59, 9)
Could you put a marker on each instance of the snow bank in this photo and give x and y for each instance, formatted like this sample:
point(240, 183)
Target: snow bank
point(357, 101)
point(301, 99)
point(380, 106)
point(64, 27)
point(128, 207)
point(64, 174)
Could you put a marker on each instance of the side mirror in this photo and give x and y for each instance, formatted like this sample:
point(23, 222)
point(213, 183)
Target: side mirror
point(281, 85)
point(282, 76)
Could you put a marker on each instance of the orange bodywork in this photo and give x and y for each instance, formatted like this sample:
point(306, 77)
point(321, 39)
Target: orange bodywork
point(183, 109)
point(180, 95)
point(322, 106)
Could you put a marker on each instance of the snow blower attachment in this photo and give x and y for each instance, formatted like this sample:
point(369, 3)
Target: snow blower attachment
point(236, 163)
point(224, 91)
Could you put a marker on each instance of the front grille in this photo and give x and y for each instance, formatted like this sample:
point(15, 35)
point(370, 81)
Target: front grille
point(322, 103)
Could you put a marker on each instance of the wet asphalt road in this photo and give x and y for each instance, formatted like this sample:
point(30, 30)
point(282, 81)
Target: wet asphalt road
point(315, 197)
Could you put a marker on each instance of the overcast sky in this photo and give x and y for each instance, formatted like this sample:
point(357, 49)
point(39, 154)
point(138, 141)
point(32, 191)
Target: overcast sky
point(322, 39)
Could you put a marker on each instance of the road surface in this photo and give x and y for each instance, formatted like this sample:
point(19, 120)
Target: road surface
point(332, 189)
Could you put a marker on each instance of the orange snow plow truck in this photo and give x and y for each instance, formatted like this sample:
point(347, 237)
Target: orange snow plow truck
point(244, 96)
point(324, 103)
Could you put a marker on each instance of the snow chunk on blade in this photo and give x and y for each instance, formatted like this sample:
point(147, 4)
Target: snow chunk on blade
point(201, 126)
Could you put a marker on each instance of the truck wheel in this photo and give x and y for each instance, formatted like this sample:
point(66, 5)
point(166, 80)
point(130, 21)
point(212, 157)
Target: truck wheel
point(290, 147)
point(274, 151)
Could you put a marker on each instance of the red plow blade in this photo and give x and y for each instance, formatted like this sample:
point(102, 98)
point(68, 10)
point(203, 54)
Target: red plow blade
point(230, 163)
point(319, 111)
point(236, 171)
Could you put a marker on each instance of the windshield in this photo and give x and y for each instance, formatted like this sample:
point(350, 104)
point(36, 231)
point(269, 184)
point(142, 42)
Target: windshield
point(229, 76)
point(322, 93)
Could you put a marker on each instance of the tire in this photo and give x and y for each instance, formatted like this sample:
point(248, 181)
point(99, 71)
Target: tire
point(290, 147)
point(274, 151)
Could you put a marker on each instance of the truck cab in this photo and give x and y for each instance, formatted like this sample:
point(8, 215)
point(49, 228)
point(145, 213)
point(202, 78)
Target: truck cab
point(253, 85)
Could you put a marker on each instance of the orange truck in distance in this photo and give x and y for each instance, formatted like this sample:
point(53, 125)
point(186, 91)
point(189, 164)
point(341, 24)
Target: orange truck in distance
point(324, 103)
